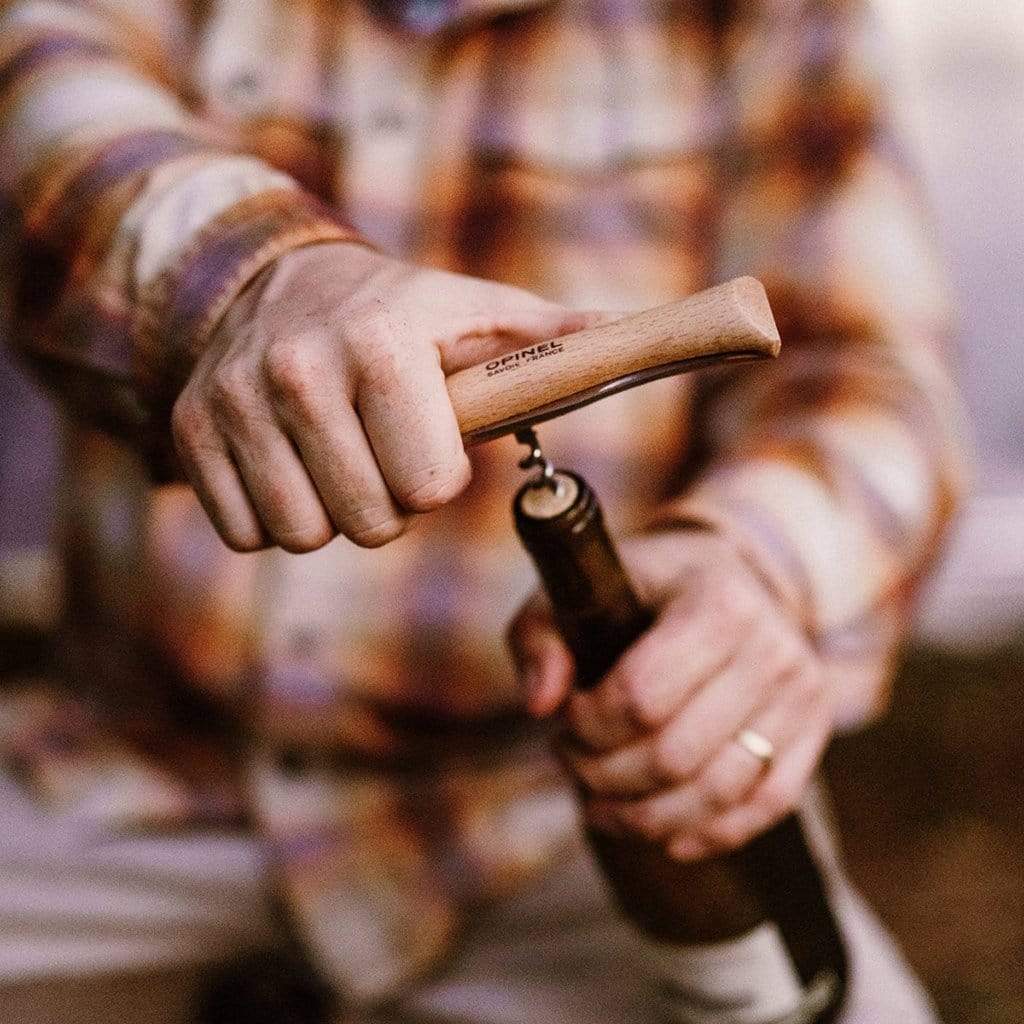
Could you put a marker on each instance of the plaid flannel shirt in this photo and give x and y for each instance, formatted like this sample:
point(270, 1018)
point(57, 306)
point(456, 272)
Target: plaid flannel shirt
point(357, 706)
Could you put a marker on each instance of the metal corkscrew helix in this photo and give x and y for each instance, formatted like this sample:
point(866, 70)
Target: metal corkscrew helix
point(546, 477)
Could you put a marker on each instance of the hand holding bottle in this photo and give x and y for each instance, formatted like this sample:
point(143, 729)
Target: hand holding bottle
point(654, 744)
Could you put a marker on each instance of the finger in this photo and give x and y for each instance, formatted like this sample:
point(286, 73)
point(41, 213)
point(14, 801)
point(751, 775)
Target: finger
point(222, 494)
point(714, 712)
point(626, 773)
point(513, 319)
point(726, 780)
point(279, 487)
point(777, 794)
point(544, 663)
point(654, 817)
point(207, 463)
point(673, 754)
point(718, 711)
point(652, 680)
point(338, 458)
point(729, 777)
point(521, 313)
point(733, 773)
point(408, 417)
point(312, 400)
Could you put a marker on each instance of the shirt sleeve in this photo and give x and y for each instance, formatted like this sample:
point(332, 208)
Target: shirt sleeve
point(836, 469)
point(134, 225)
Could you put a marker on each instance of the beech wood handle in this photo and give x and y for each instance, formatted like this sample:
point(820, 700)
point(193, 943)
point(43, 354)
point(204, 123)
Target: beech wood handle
point(729, 322)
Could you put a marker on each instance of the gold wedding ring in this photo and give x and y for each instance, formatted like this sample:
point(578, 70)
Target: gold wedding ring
point(759, 746)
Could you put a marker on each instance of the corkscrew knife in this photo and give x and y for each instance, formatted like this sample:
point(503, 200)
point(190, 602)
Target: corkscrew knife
point(729, 323)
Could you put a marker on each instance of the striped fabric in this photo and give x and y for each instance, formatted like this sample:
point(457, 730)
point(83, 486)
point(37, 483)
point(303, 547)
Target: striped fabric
point(358, 705)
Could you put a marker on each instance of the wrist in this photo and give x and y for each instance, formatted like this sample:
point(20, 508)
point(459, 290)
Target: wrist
point(750, 540)
point(180, 311)
point(672, 550)
point(348, 261)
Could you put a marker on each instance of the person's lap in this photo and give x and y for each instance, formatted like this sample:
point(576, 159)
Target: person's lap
point(87, 901)
point(560, 954)
point(92, 925)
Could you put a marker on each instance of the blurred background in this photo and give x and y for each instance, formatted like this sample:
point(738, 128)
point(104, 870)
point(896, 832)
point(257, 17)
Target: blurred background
point(930, 799)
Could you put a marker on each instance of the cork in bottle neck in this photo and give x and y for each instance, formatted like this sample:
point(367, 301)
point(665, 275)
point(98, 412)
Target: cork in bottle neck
point(549, 499)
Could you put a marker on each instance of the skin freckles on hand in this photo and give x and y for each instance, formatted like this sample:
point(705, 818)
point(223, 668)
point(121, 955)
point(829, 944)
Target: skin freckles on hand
point(653, 746)
point(320, 408)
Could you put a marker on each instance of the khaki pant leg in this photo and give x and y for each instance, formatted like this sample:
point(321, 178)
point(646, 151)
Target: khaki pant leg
point(101, 927)
point(559, 954)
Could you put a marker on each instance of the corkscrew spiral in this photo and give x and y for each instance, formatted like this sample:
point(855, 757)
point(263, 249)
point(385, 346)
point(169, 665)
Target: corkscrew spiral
point(536, 458)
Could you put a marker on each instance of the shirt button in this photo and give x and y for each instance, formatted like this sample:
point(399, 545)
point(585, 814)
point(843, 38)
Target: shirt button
point(389, 121)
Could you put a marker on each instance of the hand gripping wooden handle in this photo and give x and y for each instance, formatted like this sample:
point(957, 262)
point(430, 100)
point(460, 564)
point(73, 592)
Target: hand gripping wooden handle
point(728, 323)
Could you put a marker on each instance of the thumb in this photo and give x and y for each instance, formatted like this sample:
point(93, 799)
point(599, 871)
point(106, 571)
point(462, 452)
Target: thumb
point(544, 663)
point(544, 321)
point(547, 320)
point(500, 331)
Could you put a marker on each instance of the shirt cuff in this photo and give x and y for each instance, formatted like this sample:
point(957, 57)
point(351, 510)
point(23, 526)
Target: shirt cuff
point(180, 310)
point(726, 505)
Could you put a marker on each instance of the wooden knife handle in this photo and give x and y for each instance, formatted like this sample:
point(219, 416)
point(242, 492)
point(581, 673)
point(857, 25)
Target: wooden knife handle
point(729, 322)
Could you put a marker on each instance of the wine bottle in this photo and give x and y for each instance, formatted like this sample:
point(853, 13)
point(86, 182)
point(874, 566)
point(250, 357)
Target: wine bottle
point(748, 937)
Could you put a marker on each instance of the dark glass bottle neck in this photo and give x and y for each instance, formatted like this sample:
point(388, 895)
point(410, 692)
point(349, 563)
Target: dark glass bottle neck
point(595, 606)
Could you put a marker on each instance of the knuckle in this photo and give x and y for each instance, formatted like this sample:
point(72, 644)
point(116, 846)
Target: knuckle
point(728, 833)
point(294, 368)
point(736, 600)
point(634, 694)
point(300, 539)
point(807, 684)
point(777, 798)
point(787, 652)
point(644, 818)
point(379, 362)
point(434, 486)
point(241, 541)
point(373, 531)
point(232, 392)
point(723, 789)
point(187, 422)
point(674, 758)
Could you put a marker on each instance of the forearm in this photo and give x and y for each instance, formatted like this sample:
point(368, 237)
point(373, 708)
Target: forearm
point(836, 474)
point(136, 225)
point(841, 518)
point(837, 470)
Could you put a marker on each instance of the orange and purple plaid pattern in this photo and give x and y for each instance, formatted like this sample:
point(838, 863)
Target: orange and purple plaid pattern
point(357, 705)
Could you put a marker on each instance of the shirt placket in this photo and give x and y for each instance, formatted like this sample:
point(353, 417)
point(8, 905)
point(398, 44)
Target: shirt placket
point(381, 100)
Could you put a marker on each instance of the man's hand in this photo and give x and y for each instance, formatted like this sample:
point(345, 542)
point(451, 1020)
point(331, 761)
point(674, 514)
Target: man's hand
point(653, 746)
point(320, 406)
